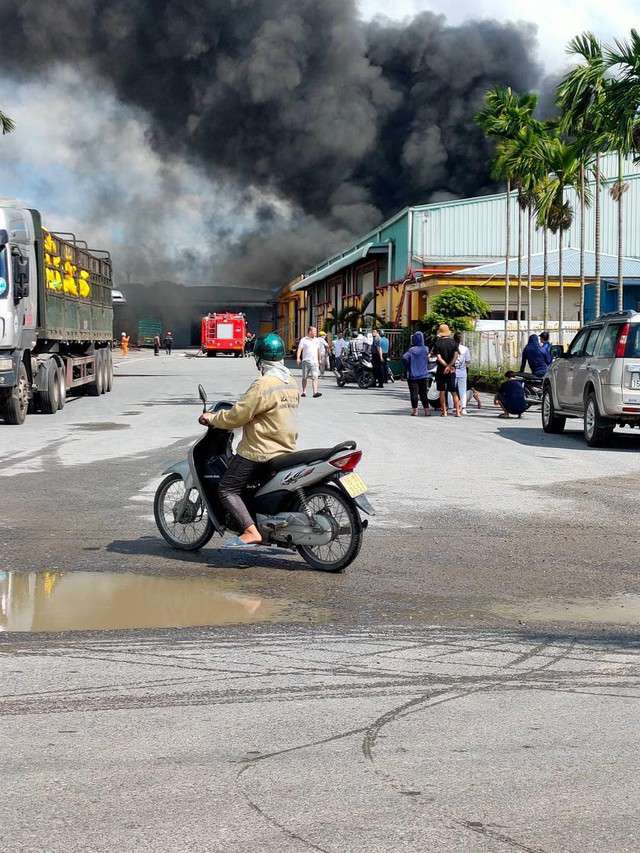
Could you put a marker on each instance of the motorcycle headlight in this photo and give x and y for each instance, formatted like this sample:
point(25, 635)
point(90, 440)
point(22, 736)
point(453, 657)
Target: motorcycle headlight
point(6, 364)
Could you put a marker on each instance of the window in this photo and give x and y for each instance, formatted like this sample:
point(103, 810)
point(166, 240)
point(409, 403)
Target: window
point(4, 281)
point(632, 350)
point(592, 343)
point(610, 341)
point(576, 350)
point(513, 315)
point(365, 279)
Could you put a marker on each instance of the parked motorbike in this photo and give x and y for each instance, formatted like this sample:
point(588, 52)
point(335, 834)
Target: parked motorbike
point(309, 501)
point(532, 388)
point(357, 369)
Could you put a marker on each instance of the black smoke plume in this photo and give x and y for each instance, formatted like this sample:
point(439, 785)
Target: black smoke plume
point(342, 121)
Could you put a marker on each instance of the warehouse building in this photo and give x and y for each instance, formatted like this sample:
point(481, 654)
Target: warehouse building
point(412, 256)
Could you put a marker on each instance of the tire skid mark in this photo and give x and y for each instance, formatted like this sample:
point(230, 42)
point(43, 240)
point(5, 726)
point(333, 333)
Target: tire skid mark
point(288, 832)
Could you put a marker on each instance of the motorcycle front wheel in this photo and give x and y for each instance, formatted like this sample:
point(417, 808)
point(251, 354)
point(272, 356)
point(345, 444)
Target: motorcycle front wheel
point(365, 379)
point(194, 528)
point(345, 546)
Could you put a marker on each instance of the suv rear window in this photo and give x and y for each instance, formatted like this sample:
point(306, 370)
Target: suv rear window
point(633, 342)
point(610, 340)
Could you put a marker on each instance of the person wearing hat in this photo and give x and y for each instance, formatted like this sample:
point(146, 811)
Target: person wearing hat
point(124, 340)
point(446, 352)
point(267, 413)
point(168, 343)
point(323, 353)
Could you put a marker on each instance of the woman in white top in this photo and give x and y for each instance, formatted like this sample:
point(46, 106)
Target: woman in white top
point(464, 357)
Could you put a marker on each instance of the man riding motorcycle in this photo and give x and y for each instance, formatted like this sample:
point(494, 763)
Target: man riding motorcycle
point(267, 413)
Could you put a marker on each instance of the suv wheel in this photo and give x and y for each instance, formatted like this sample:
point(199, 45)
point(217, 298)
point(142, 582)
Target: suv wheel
point(597, 433)
point(550, 421)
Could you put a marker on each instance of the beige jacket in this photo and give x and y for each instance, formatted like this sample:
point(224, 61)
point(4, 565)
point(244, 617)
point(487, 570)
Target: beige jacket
point(267, 413)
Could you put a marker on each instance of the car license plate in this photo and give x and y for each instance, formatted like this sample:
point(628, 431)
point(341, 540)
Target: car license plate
point(635, 380)
point(353, 484)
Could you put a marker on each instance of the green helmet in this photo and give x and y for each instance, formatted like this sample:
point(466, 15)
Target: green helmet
point(269, 348)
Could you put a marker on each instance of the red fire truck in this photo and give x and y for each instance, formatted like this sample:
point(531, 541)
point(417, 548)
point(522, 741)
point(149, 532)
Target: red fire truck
point(224, 333)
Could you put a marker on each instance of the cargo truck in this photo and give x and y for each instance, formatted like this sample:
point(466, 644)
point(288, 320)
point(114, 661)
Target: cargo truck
point(56, 317)
point(148, 329)
point(224, 333)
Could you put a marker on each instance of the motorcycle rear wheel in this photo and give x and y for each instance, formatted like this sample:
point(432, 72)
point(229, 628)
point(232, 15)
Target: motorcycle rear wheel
point(195, 529)
point(345, 547)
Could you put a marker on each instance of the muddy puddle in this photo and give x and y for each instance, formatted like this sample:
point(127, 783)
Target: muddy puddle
point(97, 601)
point(623, 609)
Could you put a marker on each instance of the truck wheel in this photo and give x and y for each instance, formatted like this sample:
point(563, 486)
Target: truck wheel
point(94, 389)
point(104, 366)
point(62, 387)
point(550, 421)
point(210, 353)
point(15, 408)
point(50, 399)
point(597, 431)
point(237, 354)
point(109, 370)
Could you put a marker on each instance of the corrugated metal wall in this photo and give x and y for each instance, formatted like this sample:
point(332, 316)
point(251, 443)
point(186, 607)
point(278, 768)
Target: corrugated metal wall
point(476, 227)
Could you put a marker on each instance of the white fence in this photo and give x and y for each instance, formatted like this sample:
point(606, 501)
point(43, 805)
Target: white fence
point(498, 349)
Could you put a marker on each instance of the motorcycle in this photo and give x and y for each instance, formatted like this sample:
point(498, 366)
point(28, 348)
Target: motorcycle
point(309, 501)
point(532, 388)
point(357, 369)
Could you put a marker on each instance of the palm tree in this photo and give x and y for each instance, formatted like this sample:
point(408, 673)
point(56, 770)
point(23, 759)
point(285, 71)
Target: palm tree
point(353, 315)
point(564, 166)
point(622, 111)
point(6, 124)
point(581, 97)
point(504, 114)
point(520, 159)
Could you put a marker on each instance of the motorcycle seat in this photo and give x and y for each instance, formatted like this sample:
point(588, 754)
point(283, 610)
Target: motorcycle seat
point(306, 457)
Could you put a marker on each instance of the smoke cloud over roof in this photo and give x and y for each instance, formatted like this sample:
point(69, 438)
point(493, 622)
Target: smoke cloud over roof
point(311, 124)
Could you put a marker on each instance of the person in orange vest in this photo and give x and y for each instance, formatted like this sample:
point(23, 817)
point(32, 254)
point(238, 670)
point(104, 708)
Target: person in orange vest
point(124, 340)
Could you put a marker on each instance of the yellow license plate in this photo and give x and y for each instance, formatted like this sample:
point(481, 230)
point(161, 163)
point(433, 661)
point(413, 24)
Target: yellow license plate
point(353, 484)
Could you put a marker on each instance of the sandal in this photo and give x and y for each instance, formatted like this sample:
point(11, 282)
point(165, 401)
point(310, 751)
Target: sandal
point(504, 415)
point(236, 542)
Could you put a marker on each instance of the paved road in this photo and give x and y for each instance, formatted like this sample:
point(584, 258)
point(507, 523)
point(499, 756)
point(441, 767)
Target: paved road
point(289, 741)
point(468, 684)
point(479, 521)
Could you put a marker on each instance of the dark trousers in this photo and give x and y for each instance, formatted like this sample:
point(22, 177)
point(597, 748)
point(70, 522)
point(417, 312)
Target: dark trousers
point(418, 389)
point(379, 373)
point(239, 474)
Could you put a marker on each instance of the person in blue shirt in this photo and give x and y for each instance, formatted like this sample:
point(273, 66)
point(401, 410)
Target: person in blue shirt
point(417, 362)
point(384, 346)
point(510, 396)
point(546, 345)
point(535, 356)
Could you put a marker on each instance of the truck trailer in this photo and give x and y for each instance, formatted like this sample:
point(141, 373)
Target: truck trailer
point(224, 333)
point(56, 316)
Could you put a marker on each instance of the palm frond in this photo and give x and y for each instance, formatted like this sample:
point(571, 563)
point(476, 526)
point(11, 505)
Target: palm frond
point(6, 124)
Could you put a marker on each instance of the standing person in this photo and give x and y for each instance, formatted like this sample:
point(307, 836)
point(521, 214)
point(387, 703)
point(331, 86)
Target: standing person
point(417, 360)
point(535, 357)
point(339, 347)
point(267, 414)
point(124, 340)
point(445, 350)
point(463, 359)
point(308, 354)
point(156, 345)
point(377, 361)
point(168, 343)
point(384, 346)
point(510, 396)
point(323, 354)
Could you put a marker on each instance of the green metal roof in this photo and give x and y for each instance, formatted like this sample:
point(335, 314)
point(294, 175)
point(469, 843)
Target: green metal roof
point(335, 265)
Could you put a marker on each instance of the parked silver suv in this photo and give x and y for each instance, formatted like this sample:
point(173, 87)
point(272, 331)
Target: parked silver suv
point(597, 379)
